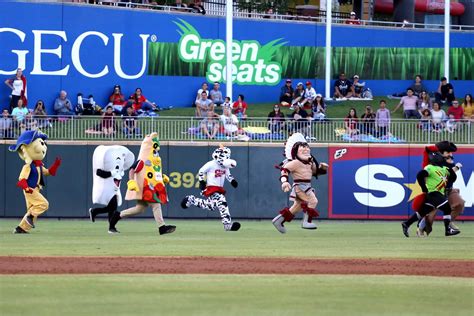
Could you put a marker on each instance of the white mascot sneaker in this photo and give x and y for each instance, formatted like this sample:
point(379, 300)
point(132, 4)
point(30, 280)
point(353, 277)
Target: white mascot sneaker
point(305, 224)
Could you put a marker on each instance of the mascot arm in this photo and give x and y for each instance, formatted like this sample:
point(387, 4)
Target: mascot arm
point(23, 184)
point(103, 174)
point(451, 178)
point(166, 179)
point(421, 178)
point(25, 172)
point(54, 167)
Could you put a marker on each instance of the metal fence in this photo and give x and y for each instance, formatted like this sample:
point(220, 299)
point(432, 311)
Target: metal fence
point(250, 129)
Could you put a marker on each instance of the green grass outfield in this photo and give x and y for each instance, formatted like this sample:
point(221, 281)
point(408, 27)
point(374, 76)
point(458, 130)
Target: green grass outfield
point(333, 239)
point(235, 294)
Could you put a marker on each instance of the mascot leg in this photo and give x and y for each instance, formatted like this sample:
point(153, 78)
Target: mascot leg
point(36, 204)
point(109, 209)
point(219, 204)
point(309, 209)
point(116, 216)
point(158, 215)
point(457, 205)
point(205, 204)
point(286, 215)
point(423, 211)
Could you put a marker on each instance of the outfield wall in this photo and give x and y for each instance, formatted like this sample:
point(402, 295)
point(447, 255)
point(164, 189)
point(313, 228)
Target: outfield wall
point(89, 48)
point(364, 182)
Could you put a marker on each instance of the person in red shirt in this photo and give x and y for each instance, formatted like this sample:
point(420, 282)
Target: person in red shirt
point(353, 19)
point(456, 110)
point(140, 103)
point(240, 107)
point(117, 99)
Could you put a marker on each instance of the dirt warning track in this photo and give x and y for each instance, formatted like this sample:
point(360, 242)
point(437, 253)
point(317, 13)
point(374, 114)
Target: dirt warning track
point(232, 265)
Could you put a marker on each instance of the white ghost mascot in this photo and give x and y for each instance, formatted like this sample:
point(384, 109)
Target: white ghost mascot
point(109, 164)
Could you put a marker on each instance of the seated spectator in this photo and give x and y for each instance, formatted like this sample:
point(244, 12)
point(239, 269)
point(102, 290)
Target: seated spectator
point(468, 108)
point(367, 121)
point(353, 20)
point(216, 95)
point(276, 119)
point(39, 114)
point(269, 14)
point(130, 124)
point(227, 103)
point(286, 93)
point(204, 88)
point(87, 106)
point(425, 121)
point(117, 99)
point(342, 87)
point(230, 123)
point(6, 125)
point(417, 88)
point(382, 119)
point(351, 122)
point(197, 7)
point(424, 102)
point(180, 6)
point(140, 103)
point(29, 124)
point(445, 92)
point(409, 103)
point(203, 105)
point(438, 116)
point(359, 90)
point(19, 114)
point(210, 125)
point(298, 95)
point(62, 105)
point(456, 110)
point(451, 124)
point(301, 120)
point(240, 107)
point(309, 96)
point(318, 110)
point(108, 121)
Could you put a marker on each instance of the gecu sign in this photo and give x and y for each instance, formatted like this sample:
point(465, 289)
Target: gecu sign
point(39, 51)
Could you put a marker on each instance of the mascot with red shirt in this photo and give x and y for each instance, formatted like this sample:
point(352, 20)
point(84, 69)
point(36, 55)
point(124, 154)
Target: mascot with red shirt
point(31, 148)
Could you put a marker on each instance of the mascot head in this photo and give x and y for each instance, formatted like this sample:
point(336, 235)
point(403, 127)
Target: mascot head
point(31, 146)
point(437, 159)
point(296, 147)
point(222, 156)
point(150, 149)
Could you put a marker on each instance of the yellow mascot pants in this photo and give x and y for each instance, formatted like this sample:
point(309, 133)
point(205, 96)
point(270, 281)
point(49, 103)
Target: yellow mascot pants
point(36, 204)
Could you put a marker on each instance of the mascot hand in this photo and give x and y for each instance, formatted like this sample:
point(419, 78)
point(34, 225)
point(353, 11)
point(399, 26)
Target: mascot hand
point(24, 185)
point(286, 186)
point(132, 185)
point(202, 184)
point(458, 165)
point(54, 168)
point(166, 179)
point(234, 183)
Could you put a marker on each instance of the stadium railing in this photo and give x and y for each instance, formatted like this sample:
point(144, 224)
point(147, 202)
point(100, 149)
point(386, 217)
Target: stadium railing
point(217, 8)
point(253, 129)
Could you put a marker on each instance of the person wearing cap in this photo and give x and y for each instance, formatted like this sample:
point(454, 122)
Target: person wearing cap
point(31, 148)
point(309, 95)
point(353, 20)
point(286, 93)
point(445, 92)
point(298, 95)
point(357, 87)
point(342, 87)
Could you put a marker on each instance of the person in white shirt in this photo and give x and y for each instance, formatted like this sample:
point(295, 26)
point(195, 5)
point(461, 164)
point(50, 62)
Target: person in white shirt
point(230, 123)
point(204, 88)
point(309, 95)
point(211, 181)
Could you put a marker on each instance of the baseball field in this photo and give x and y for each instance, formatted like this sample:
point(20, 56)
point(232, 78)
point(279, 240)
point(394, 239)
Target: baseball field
point(74, 267)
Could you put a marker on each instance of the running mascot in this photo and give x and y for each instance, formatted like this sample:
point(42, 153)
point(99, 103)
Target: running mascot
point(109, 164)
point(147, 185)
point(211, 181)
point(302, 166)
point(31, 148)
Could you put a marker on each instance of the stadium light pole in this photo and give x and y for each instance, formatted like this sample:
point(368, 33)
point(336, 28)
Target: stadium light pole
point(228, 41)
point(328, 49)
point(447, 28)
